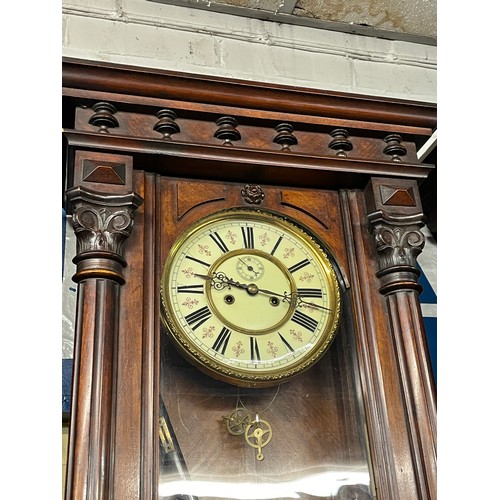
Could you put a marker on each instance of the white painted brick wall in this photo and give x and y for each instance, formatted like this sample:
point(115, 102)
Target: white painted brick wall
point(150, 34)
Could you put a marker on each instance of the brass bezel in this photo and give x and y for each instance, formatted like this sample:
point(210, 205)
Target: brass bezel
point(236, 375)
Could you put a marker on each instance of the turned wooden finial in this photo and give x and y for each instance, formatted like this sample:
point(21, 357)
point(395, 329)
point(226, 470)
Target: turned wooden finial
point(166, 124)
point(340, 143)
point(227, 131)
point(285, 137)
point(394, 147)
point(103, 117)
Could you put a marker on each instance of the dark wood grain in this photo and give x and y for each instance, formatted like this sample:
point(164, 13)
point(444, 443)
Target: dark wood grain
point(365, 305)
point(94, 390)
point(89, 75)
point(370, 400)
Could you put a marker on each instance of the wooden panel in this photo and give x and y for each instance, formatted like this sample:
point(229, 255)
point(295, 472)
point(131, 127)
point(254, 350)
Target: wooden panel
point(379, 379)
point(128, 432)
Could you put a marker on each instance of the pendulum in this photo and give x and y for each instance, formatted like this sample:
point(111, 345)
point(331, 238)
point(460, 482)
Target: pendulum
point(258, 434)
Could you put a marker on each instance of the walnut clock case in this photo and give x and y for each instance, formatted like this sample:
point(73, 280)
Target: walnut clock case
point(233, 376)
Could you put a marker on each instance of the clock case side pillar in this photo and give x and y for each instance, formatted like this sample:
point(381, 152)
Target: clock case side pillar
point(395, 217)
point(103, 217)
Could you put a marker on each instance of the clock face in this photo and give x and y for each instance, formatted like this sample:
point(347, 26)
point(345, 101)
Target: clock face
point(250, 297)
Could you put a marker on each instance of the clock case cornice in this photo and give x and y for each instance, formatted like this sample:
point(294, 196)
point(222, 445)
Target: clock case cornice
point(310, 153)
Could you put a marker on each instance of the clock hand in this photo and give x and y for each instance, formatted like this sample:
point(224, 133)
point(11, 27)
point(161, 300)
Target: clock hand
point(204, 276)
point(249, 268)
point(300, 301)
point(221, 281)
point(294, 299)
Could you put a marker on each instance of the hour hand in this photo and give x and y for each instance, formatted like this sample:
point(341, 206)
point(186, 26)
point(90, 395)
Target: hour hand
point(204, 276)
point(219, 281)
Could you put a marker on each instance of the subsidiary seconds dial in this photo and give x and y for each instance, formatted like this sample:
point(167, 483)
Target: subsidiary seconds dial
point(249, 297)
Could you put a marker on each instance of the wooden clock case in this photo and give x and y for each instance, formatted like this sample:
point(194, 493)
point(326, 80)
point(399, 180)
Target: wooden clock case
point(147, 153)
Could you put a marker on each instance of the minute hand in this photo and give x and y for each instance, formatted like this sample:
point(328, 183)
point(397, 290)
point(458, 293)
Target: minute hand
point(294, 299)
point(220, 280)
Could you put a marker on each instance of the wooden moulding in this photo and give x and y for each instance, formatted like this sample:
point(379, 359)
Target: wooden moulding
point(172, 121)
point(202, 89)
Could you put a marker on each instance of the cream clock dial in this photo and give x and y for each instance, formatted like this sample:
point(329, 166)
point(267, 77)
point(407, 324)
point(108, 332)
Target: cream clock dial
point(249, 297)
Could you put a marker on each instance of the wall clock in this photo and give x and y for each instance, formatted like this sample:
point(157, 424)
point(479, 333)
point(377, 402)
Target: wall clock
point(250, 297)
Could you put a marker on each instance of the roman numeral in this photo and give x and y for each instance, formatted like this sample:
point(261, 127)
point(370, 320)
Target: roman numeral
point(197, 318)
point(299, 265)
point(190, 289)
point(254, 349)
point(303, 320)
point(198, 260)
point(219, 242)
point(277, 245)
point(310, 293)
point(222, 340)
point(247, 236)
point(290, 348)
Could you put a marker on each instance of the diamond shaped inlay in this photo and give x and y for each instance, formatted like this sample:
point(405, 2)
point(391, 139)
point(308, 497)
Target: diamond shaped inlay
point(402, 197)
point(104, 172)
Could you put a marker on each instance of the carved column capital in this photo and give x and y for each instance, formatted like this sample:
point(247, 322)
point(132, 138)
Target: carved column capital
point(397, 249)
point(395, 217)
point(102, 223)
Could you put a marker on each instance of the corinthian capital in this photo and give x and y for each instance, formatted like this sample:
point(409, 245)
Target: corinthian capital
point(102, 223)
point(395, 217)
point(398, 245)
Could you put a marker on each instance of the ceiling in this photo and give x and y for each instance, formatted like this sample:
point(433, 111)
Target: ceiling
point(409, 20)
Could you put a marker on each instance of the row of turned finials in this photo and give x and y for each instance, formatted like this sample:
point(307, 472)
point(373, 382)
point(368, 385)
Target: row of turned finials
point(166, 125)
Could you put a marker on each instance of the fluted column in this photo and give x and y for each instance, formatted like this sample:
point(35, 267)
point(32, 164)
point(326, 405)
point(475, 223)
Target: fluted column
point(103, 218)
point(395, 216)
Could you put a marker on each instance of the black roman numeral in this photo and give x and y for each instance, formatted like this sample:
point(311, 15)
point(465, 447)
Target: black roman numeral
point(310, 293)
point(247, 236)
point(299, 265)
point(219, 242)
point(197, 318)
point(203, 263)
point(254, 349)
point(222, 340)
point(303, 320)
point(277, 245)
point(290, 348)
point(190, 289)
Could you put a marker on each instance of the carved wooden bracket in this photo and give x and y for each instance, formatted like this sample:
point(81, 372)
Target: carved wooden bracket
point(395, 216)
